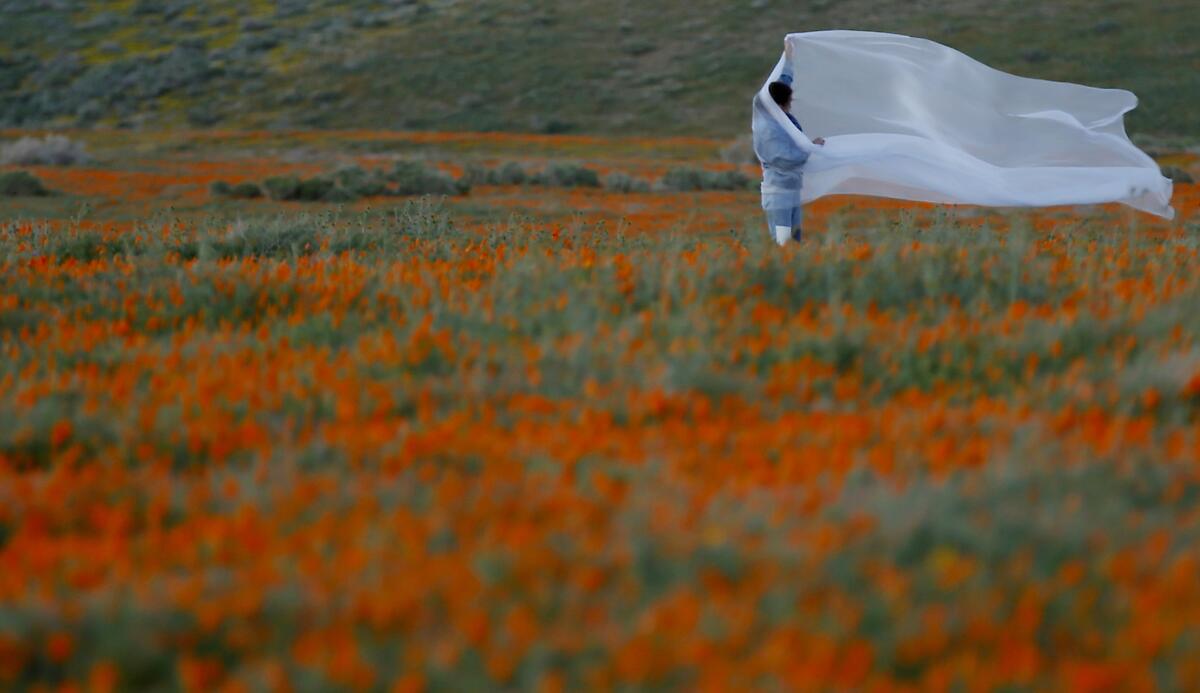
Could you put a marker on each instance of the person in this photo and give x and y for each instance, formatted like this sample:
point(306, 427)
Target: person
point(782, 160)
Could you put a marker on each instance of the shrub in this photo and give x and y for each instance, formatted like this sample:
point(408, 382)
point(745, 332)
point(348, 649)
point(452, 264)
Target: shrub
point(318, 189)
point(54, 150)
point(729, 180)
point(568, 176)
point(246, 191)
point(1177, 174)
point(242, 191)
point(282, 187)
point(683, 179)
point(314, 189)
point(339, 194)
point(623, 182)
point(21, 184)
point(415, 178)
point(474, 174)
point(510, 173)
point(361, 183)
point(351, 183)
point(554, 126)
point(740, 151)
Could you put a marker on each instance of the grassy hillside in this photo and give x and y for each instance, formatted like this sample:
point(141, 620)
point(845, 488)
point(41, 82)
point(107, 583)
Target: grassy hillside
point(605, 66)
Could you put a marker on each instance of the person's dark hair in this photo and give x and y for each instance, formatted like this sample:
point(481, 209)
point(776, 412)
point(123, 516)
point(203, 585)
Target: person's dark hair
point(780, 92)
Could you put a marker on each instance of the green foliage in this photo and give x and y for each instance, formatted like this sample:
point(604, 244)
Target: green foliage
point(511, 173)
point(562, 175)
point(508, 173)
point(315, 190)
point(406, 178)
point(618, 181)
point(1177, 174)
point(246, 191)
point(282, 187)
point(241, 191)
point(21, 184)
point(684, 179)
point(411, 177)
point(361, 183)
point(567, 176)
point(417, 178)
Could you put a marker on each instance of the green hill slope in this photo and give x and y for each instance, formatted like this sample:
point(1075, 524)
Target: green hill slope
point(605, 66)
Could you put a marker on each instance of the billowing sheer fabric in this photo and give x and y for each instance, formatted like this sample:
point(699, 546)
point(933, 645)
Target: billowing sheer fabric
point(912, 119)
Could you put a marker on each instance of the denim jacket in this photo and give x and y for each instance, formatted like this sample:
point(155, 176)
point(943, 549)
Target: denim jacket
point(781, 158)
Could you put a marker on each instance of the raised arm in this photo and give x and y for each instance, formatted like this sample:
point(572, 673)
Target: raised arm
point(788, 53)
point(786, 76)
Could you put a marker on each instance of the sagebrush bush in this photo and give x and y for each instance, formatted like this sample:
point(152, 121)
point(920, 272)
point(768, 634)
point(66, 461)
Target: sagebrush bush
point(416, 178)
point(21, 184)
point(1177, 174)
point(282, 187)
point(53, 150)
point(685, 179)
point(315, 189)
point(511, 173)
point(241, 191)
point(361, 183)
point(619, 181)
point(740, 150)
point(246, 191)
point(351, 183)
point(568, 176)
point(474, 174)
point(560, 175)
point(409, 177)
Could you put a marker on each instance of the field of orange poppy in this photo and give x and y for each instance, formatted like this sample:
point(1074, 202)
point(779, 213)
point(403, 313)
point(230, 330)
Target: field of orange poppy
point(560, 438)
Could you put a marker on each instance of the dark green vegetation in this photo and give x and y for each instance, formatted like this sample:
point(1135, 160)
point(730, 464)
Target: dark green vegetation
point(604, 66)
point(241, 191)
point(412, 178)
point(684, 179)
point(21, 184)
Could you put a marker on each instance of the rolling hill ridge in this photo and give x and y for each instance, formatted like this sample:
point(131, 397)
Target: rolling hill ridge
point(607, 66)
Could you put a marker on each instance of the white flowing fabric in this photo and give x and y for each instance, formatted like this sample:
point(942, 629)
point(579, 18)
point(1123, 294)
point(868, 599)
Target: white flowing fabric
point(908, 118)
